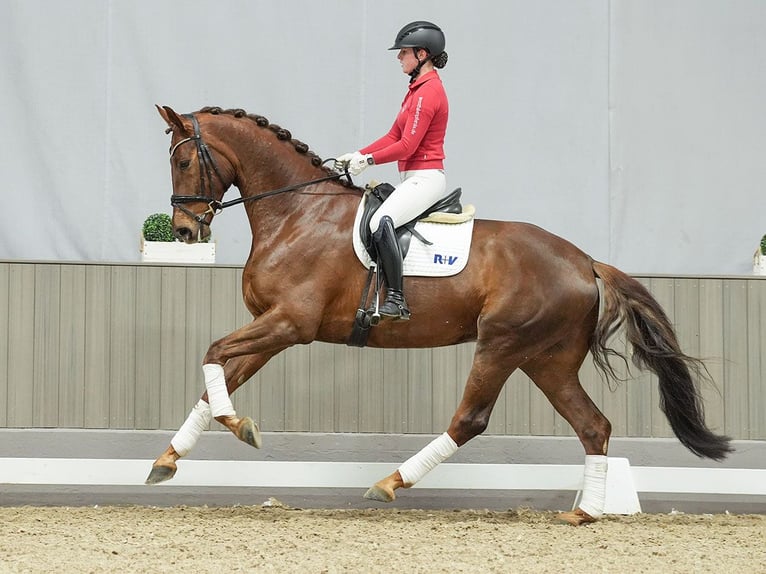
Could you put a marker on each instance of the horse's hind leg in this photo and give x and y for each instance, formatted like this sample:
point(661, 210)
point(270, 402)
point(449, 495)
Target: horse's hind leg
point(555, 373)
point(490, 370)
point(239, 370)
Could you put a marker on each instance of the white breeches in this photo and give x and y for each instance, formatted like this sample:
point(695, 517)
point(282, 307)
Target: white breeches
point(418, 191)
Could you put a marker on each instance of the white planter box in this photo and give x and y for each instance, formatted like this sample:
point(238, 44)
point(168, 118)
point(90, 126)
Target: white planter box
point(759, 263)
point(177, 252)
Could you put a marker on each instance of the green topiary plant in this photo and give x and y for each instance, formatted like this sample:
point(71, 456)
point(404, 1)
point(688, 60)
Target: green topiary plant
point(158, 227)
point(763, 245)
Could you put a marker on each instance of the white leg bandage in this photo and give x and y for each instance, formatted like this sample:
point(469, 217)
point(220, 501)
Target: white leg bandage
point(217, 394)
point(195, 424)
point(416, 467)
point(594, 485)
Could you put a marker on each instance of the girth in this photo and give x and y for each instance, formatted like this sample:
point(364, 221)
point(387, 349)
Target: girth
point(375, 198)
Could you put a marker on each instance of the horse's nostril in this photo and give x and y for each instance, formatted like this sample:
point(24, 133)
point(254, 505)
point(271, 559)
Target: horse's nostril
point(183, 233)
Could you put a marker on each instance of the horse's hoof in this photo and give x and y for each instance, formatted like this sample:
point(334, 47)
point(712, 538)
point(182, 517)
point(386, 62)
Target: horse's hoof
point(248, 432)
point(160, 474)
point(379, 494)
point(575, 518)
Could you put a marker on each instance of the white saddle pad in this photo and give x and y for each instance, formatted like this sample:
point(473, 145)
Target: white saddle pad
point(447, 256)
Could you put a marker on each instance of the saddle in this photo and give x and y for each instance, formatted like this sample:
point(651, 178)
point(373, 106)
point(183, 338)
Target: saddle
point(378, 193)
point(447, 210)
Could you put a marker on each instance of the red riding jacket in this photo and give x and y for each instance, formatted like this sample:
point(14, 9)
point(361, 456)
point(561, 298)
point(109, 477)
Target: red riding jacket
point(416, 139)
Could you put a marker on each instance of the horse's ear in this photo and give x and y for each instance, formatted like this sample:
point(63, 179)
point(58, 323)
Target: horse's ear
point(171, 118)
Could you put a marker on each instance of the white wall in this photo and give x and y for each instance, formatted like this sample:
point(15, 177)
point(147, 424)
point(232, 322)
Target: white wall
point(688, 134)
point(632, 128)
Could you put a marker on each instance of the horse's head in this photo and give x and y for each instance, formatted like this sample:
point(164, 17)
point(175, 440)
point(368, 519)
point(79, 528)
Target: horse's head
point(200, 175)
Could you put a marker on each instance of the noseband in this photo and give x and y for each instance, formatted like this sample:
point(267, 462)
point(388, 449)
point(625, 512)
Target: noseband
point(207, 167)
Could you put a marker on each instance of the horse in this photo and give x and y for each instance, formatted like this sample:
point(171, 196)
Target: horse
point(529, 299)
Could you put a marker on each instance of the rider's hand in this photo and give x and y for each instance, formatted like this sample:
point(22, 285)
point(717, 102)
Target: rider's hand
point(341, 162)
point(358, 163)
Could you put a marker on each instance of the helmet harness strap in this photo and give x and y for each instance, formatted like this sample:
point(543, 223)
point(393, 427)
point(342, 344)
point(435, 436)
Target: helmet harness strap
point(414, 73)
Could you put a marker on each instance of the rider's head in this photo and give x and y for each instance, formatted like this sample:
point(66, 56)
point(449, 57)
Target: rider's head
point(425, 42)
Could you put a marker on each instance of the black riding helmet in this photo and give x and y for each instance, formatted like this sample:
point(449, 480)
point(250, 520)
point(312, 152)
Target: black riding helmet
point(421, 34)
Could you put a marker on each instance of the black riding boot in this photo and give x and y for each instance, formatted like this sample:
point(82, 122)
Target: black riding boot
point(390, 261)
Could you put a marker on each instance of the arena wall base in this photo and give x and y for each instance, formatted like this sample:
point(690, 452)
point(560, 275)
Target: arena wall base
point(621, 495)
point(75, 463)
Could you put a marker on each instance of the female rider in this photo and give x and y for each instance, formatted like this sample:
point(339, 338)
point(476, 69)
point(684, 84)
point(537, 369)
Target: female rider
point(416, 142)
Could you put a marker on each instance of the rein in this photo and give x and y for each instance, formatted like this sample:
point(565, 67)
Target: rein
point(208, 167)
point(282, 189)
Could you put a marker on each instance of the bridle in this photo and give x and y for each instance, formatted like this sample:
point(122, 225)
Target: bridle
point(209, 168)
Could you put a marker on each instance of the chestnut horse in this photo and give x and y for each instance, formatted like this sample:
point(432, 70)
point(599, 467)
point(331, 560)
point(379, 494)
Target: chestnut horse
point(528, 298)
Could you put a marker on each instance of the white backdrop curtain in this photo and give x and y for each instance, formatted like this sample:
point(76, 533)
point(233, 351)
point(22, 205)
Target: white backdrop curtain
point(634, 129)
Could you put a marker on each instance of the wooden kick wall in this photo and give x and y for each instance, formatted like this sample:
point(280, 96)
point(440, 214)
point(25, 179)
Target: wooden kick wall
point(119, 346)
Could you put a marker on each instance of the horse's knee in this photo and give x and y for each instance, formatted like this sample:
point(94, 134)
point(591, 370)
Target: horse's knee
point(215, 353)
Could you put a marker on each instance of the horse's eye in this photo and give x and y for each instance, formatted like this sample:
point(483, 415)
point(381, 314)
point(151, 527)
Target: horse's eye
point(184, 164)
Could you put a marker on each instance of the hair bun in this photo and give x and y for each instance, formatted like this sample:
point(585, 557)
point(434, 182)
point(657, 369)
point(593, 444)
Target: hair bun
point(440, 60)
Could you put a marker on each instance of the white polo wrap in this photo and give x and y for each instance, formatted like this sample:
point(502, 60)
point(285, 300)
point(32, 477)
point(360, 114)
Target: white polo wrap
point(594, 485)
point(217, 394)
point(195, 424)
point(417, 466)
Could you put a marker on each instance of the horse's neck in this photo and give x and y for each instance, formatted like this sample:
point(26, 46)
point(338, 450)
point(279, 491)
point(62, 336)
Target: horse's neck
point(296, 214)
point(255, 180)
point(267, 166)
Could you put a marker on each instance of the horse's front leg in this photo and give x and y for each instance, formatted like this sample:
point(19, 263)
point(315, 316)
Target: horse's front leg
point(238, 371)
point(222, 409)
point(269, 334)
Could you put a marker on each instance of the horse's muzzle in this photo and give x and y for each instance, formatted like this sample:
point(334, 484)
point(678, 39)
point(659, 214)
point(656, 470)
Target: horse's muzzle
point(189, 235)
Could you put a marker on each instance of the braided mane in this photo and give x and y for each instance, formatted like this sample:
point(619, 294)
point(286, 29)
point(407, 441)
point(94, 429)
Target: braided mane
point(281, 133)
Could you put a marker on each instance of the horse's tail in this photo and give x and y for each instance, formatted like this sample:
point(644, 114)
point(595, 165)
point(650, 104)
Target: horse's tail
point(629, 304)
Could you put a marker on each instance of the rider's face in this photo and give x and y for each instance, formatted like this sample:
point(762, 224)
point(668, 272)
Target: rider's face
point(408, 60)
